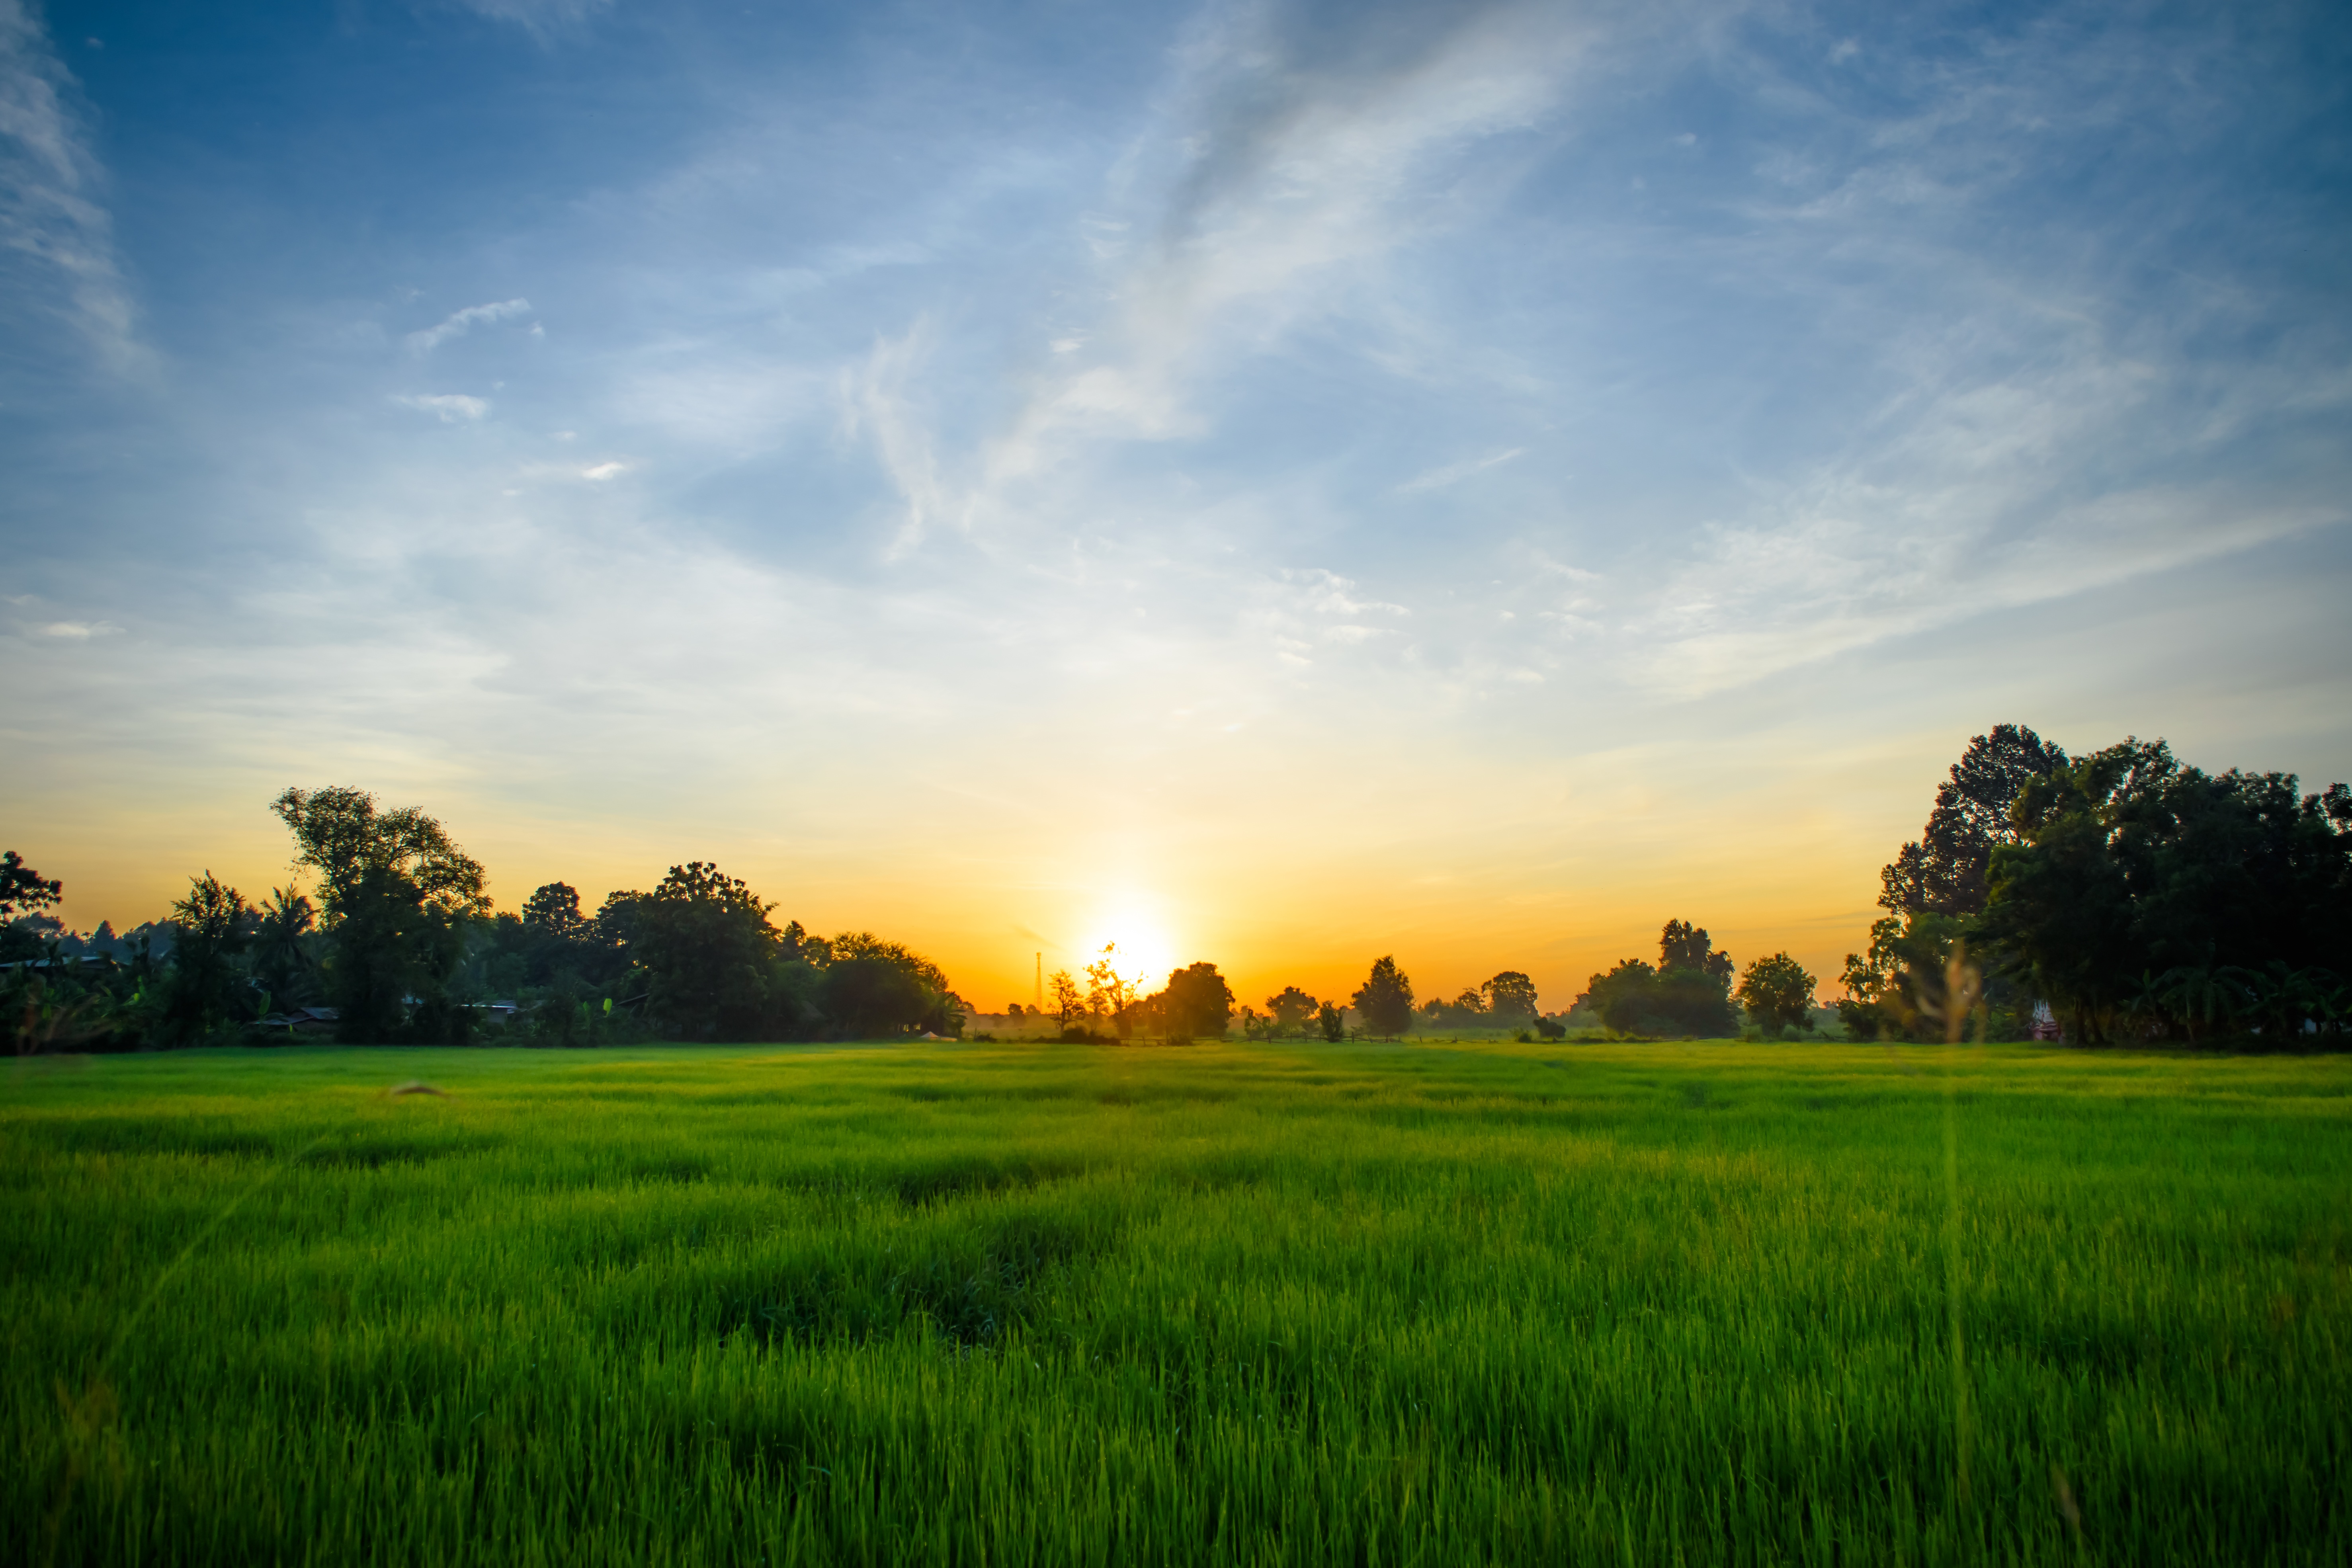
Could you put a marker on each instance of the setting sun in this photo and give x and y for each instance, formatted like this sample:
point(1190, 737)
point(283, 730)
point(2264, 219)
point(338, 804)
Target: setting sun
point(1136, 941)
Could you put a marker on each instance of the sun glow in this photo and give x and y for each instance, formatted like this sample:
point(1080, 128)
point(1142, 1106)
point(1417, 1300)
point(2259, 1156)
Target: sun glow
point(1137, 944)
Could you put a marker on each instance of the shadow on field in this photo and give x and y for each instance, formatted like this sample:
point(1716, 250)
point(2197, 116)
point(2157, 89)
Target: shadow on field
point(970, 1277)
point(364, 1152)
point(143, 1136)
point(948, 1180)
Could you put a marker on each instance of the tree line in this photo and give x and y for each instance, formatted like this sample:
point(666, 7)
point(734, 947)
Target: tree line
point(396, 943)
point(401, 946)
point(1690, 990)
point(2125, 895)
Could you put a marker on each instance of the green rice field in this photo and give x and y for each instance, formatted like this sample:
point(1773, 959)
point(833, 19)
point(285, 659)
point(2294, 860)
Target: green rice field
point(1061, 1304)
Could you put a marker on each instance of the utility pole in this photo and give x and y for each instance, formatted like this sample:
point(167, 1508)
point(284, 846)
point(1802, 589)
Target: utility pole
point(1041, 983)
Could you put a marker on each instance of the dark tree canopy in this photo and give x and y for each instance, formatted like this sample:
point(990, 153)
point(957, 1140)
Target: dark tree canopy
point(1196, 1003)
point(1688, 993)
point(340, 833)
point(1682, 945)
point(1623, 997)
point(397, 892)
point(872, 997)
point(2145, 891)
point(24, 889)
point(1385, 1000)
point(554, 907)
point(1292, 1008)
point(206, 991)
point(282, 958)
point(1947, 870)
point(1510, 998)
point(705, 943)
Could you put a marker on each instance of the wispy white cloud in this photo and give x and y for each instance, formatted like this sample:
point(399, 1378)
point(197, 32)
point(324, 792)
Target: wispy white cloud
point(878, 404)
point(602, 471)
point(1275, 176)
point(448, 407)
point(1971, 500)
point(1327, 592)
point(50, 213)
point(1454, 473)
point(1282, 174)
point(460, 323)
point(542, 18)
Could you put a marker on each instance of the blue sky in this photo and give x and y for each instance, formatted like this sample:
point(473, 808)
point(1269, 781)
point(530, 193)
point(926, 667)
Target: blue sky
point(1295, 478)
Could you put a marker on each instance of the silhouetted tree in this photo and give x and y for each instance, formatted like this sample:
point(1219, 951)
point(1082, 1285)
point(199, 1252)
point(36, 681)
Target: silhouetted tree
point(2158, 896)
point(1689, 993)
point(554, 907)
point(206, 990)
point(1332, 1021)
point(1385, 1000)
point(1069, 1001)
point(873, 997)
point(282, 960)
point(22, 888)
point(1511, 999)
point(1109, 994)
point(22, 891)
point(395, 892)
point(1291, 1010)
point(1682, 945)
point(709, 954)
point(1945, 871)
point(942, 1012)
point(1197, 1002)
point(1626, 998)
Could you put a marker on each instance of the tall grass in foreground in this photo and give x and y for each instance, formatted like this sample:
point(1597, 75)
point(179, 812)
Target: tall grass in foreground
point(1048, 1304)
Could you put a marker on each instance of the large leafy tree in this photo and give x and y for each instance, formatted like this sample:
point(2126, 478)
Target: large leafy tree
point(395, 892)
point(941, 1011)
point(1510, 998)
point(1937, 883)
point(1693, 983)
point(1947, 870)
point(2155, 896)
point(708, 953)
point(870, 997)
point(1688, 993)
point(1626, 999)
point(554, 947)
point(1196, 1003)
point(554, 907)
point(1291, 1010)
point(1682, 945)
point(1777, 992)
point(1385, 1000)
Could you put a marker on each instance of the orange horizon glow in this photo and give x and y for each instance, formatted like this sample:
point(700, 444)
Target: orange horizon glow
point(1452, 910)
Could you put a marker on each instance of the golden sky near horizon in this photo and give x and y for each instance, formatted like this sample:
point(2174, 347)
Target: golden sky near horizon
point(1557, 868)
